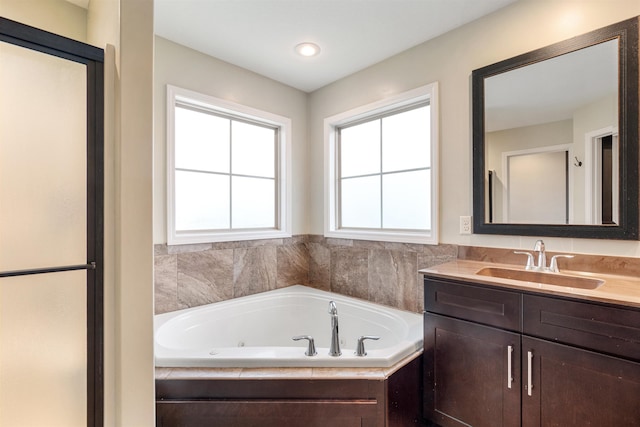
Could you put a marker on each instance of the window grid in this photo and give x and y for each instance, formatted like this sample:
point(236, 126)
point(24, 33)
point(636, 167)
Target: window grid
point(262, 172)
point(381, 173)
point(231, 119)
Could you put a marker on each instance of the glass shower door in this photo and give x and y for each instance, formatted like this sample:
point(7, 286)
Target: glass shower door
point(47, 240)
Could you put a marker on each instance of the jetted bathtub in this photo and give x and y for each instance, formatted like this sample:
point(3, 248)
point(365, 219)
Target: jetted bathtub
point(257, 331)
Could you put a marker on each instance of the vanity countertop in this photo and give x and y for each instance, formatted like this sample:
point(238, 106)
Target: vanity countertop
point(616, 289)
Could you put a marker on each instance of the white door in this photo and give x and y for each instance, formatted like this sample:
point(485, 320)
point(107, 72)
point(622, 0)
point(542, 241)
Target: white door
point(537, 188)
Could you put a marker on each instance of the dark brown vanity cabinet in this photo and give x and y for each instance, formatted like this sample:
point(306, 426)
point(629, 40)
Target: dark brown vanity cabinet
point(505, 358)
point(467, 380)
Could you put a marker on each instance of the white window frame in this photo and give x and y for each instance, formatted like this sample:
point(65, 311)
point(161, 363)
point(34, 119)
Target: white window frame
point(331, 203)
point(283, 227)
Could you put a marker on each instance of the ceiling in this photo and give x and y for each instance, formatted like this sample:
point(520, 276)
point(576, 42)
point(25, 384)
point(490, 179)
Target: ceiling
point(260, 35)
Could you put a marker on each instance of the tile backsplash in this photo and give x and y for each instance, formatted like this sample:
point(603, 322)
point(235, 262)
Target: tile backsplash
point(386, 273)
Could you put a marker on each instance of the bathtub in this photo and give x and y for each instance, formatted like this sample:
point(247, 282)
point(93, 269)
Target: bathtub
point(257, 331)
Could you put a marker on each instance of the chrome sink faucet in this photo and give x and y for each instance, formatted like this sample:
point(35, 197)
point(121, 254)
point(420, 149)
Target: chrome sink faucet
point(335, 338)
point(542, 259)
point(542, 256)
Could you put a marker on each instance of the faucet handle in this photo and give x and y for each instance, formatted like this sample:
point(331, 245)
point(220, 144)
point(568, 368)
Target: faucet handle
point(311, 349)
point(530, 265)
point(553, 266)
point(360, 348)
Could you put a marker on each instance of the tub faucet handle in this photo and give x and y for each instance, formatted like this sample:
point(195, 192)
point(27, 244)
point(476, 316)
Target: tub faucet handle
point(360, 348)
point(311, 349)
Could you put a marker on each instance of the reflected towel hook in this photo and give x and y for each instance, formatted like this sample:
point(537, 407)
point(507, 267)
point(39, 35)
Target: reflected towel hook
point(577, 163)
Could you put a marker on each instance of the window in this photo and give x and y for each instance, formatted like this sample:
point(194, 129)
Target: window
point(381, 170)
point(228, 170)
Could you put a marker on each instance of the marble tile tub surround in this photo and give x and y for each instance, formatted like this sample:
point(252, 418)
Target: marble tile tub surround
point(382, 272)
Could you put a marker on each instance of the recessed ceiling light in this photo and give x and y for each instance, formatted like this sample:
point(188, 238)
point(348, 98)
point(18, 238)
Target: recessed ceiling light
point(308, 49)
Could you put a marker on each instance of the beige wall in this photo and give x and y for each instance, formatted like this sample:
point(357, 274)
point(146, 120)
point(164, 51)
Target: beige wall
point(450, 59)
point(599, 115)
point(134, 394)
point(125, 27)
point(189, 69)
point(56, 16)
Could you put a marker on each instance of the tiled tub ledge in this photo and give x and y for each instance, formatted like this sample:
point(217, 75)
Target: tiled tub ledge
point(190, 373)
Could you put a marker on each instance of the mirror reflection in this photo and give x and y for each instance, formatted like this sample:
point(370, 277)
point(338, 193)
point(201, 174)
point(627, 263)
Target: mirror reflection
point(551, 138)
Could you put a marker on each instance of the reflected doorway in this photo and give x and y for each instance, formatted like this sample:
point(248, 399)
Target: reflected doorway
point(537, 186)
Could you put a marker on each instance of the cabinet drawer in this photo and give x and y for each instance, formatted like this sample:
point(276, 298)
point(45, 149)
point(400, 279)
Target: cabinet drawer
point(607, 329)
point(488, 306)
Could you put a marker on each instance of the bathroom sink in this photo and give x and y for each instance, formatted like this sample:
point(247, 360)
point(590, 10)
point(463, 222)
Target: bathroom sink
point(555, 279)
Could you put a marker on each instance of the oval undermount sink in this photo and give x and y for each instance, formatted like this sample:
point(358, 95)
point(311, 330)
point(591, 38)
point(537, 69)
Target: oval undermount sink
point(544, 278)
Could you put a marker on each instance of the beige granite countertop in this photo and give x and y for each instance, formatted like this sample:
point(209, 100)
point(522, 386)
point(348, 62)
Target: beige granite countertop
point(281, 373)
point(617, 289)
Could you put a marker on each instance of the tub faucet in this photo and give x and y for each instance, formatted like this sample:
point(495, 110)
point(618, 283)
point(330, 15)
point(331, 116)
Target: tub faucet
point(335, 339)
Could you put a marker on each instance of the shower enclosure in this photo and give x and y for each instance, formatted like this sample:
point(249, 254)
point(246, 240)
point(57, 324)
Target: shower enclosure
point(51, 229)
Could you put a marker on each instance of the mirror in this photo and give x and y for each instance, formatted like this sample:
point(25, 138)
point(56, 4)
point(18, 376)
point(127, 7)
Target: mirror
point(555, 139)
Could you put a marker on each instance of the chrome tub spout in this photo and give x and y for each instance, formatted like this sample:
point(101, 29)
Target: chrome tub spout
point(335, 338)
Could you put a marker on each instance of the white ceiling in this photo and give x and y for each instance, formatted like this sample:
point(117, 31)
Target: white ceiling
point(260, 35)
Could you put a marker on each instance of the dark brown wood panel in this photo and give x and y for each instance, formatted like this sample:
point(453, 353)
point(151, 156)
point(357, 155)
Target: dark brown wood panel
point(575, 388)
point(612, 330)
point(404, 396)
point(267, 388)
point(483, 305)
point(265, 413)
point(466, 374)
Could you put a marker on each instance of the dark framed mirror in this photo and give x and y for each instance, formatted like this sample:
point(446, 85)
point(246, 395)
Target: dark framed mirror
point(555, 139)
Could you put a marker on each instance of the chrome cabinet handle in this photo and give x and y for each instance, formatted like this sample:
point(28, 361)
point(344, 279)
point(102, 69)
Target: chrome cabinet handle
point(529, 376)
point(509, 366)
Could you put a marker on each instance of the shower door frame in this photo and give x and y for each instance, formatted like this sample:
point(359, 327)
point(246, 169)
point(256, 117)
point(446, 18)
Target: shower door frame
point(93, 58)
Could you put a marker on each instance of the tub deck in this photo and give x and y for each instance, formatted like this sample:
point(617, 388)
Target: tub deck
point(187, 373)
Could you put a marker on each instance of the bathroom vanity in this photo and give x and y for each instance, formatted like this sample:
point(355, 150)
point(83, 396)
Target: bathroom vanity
point(505, 351)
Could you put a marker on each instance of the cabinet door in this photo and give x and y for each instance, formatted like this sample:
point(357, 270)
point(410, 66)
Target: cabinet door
point(472, 374)
point(575, 387)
